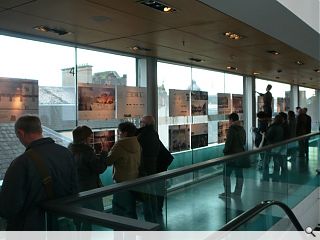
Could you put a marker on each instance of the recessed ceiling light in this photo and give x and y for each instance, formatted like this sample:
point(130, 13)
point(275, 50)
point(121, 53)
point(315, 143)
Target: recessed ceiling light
point(299, 62)
point(256, 73)
point(196, 60)
point(274, 52)
point(232, 36)
point(43, 28)
point(138, 48)
point(157, 5)
point(317, 70)
point(232, 68)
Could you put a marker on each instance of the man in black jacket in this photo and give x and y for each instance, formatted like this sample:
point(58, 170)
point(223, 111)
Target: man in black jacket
point(155, 158)
point(235, 143)
point(150, 144)
point(24, 186)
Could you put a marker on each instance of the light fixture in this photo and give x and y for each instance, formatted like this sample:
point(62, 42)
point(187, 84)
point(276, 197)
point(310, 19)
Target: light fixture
point(157, 5)
point(232, 68)
point(196, 59)
point(232, 36)
point(299, 62)
point(256, 73)
point(317, 70)
point(274, 52)
point(43, 28)
point(138, 48)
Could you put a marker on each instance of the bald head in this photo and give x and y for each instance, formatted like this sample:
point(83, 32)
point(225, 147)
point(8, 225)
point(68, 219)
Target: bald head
point(147, 121)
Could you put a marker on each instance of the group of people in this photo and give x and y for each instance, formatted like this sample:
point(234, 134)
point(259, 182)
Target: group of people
point(284, 126)
point(47, 170)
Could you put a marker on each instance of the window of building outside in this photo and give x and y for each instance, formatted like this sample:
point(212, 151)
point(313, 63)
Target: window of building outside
point(308, 99)
point(189, 96)
point(280, 93)
point(40, 78)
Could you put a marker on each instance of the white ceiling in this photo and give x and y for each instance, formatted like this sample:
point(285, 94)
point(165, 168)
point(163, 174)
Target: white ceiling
point(308, 11)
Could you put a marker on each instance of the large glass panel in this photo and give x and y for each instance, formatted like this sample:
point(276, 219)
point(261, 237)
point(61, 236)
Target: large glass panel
point(205, 204)
point(171, 77)
point(193, 105)
point(31, 79)
point(107, 89)
point(308, 99)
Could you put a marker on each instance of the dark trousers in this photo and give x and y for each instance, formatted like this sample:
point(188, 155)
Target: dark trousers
point(304, 148)
point(124, 204)
point(227, 180)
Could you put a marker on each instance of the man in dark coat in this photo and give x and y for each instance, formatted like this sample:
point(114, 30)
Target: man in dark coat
point(303, 127)
point(24, 188)
point(155, 158)
point(235, 143)
point(308, 130)
point(150, 144)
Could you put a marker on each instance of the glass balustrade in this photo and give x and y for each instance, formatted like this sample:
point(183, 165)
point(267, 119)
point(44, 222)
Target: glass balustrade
point(207, 195)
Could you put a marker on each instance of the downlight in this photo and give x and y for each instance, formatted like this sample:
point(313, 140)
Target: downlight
point(43, 28)
point(232, 68)
point(196, 60)
point(274, 52)
point(232, 35)
point(160, 6)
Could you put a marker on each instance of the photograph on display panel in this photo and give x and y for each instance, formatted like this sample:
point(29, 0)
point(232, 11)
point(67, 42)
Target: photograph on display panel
point(223, 127)
point(224, 103)
point(179, 102)
point(18, 97)
point(287, 101)
point(103, 140)
point(199, 103)
point(280, 104)
point(96, 102)
point(131, 102)
point(237, 103)
point(260, 103)
point(179, 138)
point(199, 135)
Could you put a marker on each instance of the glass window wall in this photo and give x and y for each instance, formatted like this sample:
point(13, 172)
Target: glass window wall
point(43, 79)
point(198, 100)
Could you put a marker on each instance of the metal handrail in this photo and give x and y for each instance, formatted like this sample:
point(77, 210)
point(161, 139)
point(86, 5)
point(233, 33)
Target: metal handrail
point(108, 220)
point(107, 190)
point(250, 214)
